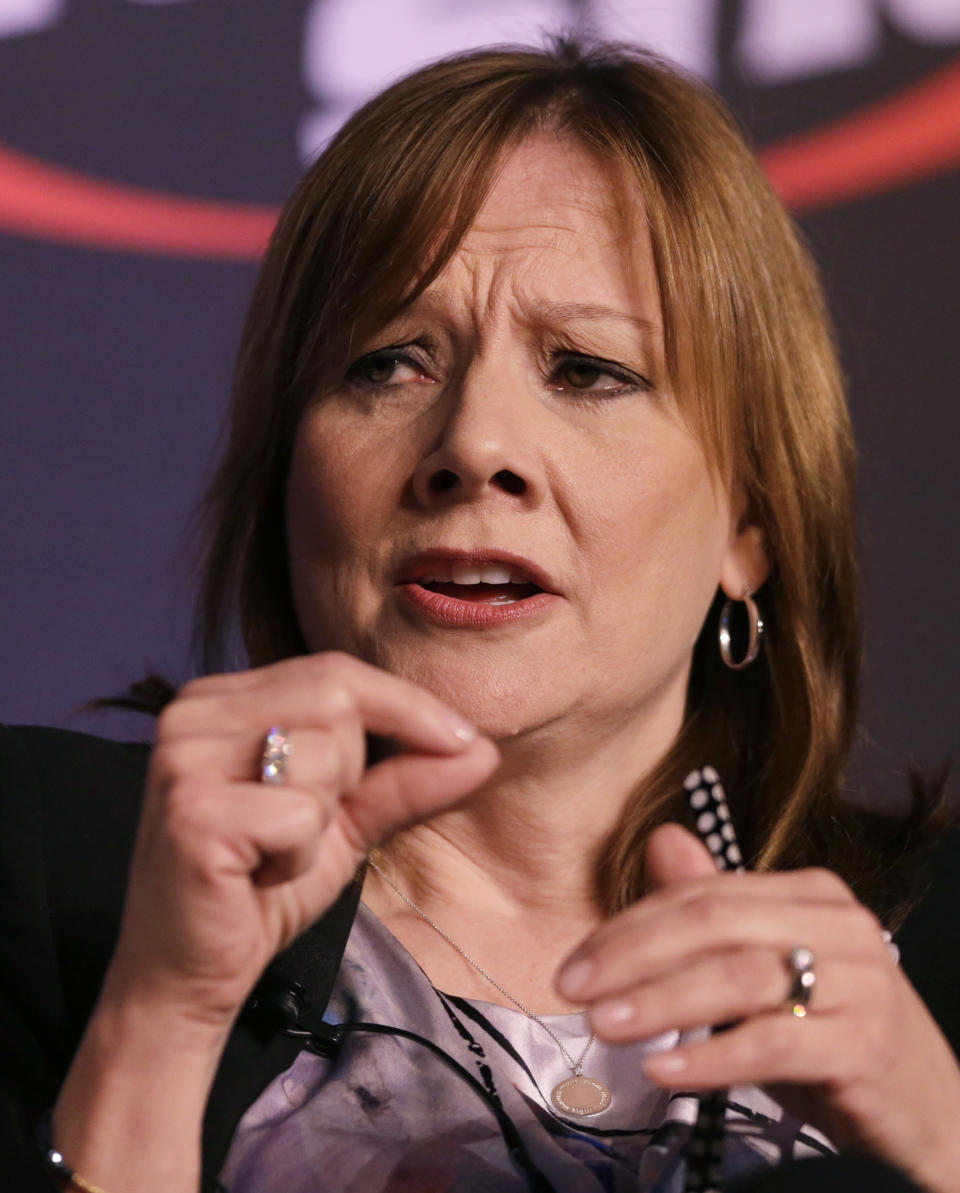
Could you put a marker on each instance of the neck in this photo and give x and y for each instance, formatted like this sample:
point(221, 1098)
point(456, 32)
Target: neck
point(527, 845)
point(511, 873)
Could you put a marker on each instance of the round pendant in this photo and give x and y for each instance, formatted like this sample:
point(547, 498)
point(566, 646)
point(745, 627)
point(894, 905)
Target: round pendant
point(581, 1096)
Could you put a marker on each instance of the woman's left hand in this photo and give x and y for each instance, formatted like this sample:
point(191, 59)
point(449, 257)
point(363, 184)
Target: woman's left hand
point(868, 1065)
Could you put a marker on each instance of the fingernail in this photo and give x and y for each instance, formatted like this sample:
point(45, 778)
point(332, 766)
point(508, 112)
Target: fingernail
point(574, 977)
point(462, 730)
point(612, 1013)
point(664, 1064)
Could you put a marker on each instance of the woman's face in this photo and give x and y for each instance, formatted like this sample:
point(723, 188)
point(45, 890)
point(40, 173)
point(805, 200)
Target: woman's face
point(501, 500)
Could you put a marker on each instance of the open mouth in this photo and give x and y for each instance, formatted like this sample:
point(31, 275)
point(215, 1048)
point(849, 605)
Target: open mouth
point(476, 589)
point(480, 584)
point(482, 593)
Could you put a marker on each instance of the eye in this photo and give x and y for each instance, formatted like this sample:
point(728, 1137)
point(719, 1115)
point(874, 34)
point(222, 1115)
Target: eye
point(387, 367)
point(590, 375)
point(583, 376)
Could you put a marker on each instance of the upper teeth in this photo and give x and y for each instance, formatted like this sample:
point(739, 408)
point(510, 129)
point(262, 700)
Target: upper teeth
point(482, 573)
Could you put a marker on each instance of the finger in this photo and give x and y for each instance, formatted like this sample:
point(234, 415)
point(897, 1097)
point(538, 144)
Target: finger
point(711, 905)
point(393, 793)
point(675, 855)
point(317, 691)
point(814, 885)
point(770, 1048)
point(691, 930)
point(721, 989)
point(242, 830)
point(408, 787)
point(318, 760)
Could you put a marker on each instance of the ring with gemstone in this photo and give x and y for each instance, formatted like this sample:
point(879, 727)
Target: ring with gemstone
point(799, 963)
point(276, 752)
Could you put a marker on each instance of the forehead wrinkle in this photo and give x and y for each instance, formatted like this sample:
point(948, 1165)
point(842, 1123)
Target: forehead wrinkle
point(538, 236)
point(540, 221)
point(483, 279)
point(473, 293)
point(491, 293)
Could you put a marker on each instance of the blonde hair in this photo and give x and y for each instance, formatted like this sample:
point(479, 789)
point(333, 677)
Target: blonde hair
point(748, 344)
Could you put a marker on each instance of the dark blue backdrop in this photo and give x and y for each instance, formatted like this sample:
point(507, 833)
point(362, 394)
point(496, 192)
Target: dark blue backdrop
point(115, 361)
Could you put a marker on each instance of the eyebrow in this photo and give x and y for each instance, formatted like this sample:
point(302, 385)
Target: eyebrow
point(545, 311)
point(567, 312)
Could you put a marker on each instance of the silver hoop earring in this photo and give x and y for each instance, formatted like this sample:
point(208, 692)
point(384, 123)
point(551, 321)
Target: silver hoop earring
point(756, 633)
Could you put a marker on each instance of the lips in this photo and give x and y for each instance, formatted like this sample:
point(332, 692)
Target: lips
point(474, 569)
point(486, 583)
point(477, 587)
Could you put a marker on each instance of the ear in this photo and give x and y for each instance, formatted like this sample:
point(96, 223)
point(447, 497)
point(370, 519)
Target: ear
point(746, 564)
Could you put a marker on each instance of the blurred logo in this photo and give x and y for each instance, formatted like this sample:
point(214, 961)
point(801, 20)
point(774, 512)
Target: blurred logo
point(909, 135)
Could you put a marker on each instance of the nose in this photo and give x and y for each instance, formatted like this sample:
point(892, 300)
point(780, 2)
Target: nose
point(489, 445)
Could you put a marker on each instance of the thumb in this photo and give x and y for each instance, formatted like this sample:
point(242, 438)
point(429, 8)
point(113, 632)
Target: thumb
point(675, 855)
point(409, 786)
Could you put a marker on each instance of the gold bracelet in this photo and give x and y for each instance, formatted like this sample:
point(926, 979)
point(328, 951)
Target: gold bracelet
point(62, 1170)
point(83, 1185)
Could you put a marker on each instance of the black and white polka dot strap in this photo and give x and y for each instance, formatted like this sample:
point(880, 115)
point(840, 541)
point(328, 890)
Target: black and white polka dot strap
point(711, 816)
point(714, 826)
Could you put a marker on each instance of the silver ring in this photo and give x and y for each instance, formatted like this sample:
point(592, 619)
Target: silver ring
point(276, 752)
point(799, 963)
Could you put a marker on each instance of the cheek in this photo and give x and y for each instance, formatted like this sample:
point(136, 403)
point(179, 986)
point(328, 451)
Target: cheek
point(660, 532)
point(334, 503)
point(336, 485)
point(316, 505)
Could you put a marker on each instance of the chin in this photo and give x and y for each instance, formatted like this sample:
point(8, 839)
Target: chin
point(500, 697)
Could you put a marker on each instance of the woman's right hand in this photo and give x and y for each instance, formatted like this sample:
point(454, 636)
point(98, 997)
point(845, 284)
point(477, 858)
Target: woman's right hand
point(227, 870)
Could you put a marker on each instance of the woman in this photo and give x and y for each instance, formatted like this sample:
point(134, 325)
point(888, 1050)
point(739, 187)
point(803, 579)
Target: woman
point(536, 387)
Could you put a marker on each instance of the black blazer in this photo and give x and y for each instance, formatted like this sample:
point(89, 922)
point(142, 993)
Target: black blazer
point(69, 806)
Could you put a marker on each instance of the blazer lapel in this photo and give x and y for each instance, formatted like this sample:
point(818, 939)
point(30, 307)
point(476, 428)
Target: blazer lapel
point(295, 989)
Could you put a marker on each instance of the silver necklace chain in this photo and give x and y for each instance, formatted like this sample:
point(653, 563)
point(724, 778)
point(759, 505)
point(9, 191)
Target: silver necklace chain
point(575, 1066)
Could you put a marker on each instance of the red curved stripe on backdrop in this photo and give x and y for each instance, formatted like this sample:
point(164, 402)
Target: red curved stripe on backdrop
point(52, 203)
point(912, 135)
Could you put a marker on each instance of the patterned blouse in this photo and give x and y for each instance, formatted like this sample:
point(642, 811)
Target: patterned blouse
point(472, 1113)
